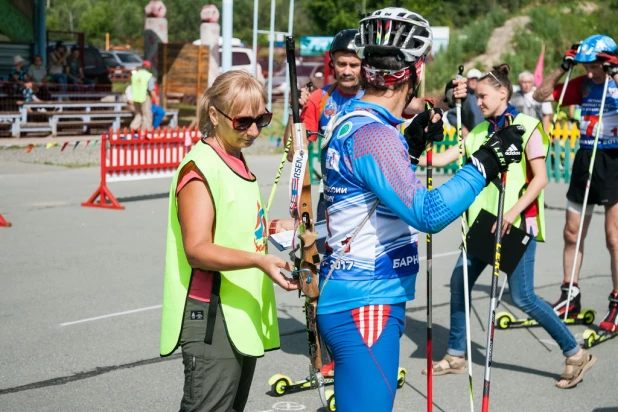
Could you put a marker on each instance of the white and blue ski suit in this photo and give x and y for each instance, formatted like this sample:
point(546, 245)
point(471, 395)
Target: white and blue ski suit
point(361, 310)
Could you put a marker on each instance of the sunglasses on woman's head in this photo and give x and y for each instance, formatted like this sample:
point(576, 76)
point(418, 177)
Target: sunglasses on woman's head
point(492, 75)
point(244, 122)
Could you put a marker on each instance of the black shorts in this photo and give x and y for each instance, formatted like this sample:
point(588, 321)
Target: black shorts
point(604, 185)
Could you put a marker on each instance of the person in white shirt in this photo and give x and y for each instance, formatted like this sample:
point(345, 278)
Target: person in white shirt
point(524, 103)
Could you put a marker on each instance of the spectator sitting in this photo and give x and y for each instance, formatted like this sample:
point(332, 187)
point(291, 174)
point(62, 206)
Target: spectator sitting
point(18, 74)
point(37, 72)
point(28, 93)
point(74, 69)
point(57, 62)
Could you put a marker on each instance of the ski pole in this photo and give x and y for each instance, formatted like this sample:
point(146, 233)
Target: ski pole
point(553, 122)
point(501, 292)
point(586, 193)
point(281, 166)
point(464, 253)
point(429, 285)
point(492, 301)
point(288, 145)
point(564, 87)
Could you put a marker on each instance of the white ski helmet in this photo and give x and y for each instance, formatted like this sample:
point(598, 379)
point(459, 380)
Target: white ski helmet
point(394, 31)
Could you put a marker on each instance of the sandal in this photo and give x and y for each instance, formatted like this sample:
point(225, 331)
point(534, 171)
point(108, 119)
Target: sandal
point(455, 365)
point(580, 366)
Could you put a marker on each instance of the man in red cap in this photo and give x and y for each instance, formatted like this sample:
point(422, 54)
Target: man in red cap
point(142, 89)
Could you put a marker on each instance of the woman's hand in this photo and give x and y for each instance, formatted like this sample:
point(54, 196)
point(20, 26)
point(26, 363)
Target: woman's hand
point(461, 88)
point(507, 221)
point(271, 265)
point(283, 225)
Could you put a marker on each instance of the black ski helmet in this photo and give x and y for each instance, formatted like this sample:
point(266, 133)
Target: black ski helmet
point(344, 40)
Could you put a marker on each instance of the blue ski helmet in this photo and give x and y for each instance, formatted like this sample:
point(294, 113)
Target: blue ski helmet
point(594, 45)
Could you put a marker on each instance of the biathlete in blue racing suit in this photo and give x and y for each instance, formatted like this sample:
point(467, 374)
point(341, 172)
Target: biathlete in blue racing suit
point(370, 188)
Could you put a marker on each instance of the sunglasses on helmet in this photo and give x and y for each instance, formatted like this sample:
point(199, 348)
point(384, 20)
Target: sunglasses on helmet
point(244, 122)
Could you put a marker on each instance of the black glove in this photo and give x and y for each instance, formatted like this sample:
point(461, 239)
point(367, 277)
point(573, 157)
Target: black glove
point(569, 58)
point(417, 137)
point(449, 95)
point(501, 149)
point(610, 63)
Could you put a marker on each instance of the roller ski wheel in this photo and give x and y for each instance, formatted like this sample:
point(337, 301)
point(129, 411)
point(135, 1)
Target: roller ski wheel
point(608, 327)
point(592, 338)
point(282, 384)
point(330, 399)
point(506, 320)
point(401, 377)
point(589, 316)
point(279, 384)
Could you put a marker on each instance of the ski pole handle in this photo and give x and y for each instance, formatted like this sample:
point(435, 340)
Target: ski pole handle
point(459, 128)
point(459, 76)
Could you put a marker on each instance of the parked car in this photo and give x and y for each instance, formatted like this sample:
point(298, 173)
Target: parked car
point(122, 59)
point(305, 72)
point(242, 58)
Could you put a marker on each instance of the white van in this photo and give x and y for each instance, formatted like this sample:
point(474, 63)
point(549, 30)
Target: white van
point(242, 58)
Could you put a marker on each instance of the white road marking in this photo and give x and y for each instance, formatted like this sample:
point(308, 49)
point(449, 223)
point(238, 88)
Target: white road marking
point(438, 255)
point(111, 315)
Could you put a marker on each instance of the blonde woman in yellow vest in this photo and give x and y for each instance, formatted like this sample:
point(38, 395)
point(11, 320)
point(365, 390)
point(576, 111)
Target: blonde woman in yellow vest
point(524, 208)
point(218, 294)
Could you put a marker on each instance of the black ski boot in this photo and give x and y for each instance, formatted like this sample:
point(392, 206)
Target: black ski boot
point(575, 305)
point(610, 323)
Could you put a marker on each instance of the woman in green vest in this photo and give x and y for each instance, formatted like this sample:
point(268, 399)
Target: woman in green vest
point(523, 208)
point(218, 295)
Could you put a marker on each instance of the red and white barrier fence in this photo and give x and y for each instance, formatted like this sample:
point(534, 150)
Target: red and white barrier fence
point(3, 222)
point(139, 155)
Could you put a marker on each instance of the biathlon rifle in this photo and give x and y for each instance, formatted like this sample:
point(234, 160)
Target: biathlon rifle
point(301, 209)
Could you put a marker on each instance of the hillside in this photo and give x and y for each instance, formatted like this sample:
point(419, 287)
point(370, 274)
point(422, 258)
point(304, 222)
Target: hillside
point(517, 38)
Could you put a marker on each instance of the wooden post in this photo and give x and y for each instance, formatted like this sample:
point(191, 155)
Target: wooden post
point(198, 91)
point(163, 69)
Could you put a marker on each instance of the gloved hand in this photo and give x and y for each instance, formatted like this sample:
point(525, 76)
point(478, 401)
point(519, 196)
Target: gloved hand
point(501, 149)
point(569, 58)
point(610, 63)
point(455, 89)
point(422, 130)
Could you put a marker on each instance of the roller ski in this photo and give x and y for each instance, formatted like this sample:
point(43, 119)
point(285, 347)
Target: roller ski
point(608, 329)
point(281, 384)
point(505, 320)
point(576, 315)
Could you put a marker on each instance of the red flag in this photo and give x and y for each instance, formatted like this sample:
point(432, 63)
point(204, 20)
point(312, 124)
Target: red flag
point(538, 71)
point(64, 145)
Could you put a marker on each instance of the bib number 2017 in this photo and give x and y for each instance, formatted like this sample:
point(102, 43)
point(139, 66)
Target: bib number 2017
point(342, 265)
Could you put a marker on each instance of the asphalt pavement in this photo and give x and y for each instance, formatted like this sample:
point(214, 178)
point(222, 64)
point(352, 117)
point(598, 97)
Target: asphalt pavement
point(80, 296)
